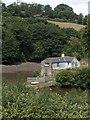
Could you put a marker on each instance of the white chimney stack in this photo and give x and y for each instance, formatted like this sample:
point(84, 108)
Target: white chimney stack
point(62, 55)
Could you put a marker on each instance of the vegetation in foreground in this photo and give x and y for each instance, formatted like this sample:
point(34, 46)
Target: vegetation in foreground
point(21, 101)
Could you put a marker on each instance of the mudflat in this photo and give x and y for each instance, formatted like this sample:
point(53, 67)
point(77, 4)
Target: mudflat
point(27, 66)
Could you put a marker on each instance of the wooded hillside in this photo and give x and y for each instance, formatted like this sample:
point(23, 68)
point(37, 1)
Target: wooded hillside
point(26, 38)
point(61, 12)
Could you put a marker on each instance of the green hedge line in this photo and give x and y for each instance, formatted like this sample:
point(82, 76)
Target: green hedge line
point(78, 77)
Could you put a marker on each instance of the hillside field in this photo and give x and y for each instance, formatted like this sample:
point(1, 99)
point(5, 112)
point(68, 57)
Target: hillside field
point(68, 25)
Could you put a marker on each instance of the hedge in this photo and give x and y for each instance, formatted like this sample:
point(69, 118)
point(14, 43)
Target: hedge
point(78, 77)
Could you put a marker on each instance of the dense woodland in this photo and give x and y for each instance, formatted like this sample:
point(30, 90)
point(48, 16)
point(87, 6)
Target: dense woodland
point(27, 38)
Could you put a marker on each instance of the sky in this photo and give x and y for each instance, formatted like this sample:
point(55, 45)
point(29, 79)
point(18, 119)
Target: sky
point(79, 6)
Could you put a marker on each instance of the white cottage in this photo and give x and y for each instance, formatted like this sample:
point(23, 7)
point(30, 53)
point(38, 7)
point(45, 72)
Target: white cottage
point(51, 64)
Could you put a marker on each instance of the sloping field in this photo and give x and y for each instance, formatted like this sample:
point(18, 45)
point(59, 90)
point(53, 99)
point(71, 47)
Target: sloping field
point(68, 25)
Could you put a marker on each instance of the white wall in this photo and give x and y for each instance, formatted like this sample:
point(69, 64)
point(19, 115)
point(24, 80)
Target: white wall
point(76, 63)
point(60, 65)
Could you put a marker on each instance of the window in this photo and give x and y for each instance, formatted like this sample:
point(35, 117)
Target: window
point(46, 64)
point(57, 64)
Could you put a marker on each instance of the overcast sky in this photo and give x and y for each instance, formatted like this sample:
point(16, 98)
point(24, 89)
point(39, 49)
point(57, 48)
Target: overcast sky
point(79, 6)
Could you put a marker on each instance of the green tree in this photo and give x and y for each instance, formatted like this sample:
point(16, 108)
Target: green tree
point(11, 52)
point(85, 20)
point(88, 35)
point(64, 12)
point(34, 39)
point(48, 11)
point(80, 18)
point(74, 48)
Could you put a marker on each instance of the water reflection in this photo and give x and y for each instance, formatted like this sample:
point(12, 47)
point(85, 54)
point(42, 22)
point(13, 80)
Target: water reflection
point(12, 78)
point(16, 76)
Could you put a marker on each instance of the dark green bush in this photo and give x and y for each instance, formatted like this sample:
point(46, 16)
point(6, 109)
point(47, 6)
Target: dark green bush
point(78, 77)
point(65, 77)
point(83, 77)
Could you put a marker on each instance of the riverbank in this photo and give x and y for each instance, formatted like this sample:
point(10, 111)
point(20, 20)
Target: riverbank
point(42, 85)
point(28, 66)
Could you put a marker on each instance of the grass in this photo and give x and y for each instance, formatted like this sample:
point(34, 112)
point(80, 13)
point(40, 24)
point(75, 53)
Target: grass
point(77, 27)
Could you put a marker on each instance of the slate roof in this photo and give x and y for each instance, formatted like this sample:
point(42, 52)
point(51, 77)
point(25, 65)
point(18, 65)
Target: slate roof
point(59, 59)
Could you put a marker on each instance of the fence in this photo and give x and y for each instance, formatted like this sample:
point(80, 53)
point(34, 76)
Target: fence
point(39, 79)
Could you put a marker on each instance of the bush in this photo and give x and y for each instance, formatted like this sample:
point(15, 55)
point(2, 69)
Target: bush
point(36, 73)
point(65, 77)
point(83, 77)
point(24, 102)
point(78, 77)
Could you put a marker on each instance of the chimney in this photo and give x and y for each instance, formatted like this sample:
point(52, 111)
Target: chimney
point(62, 55)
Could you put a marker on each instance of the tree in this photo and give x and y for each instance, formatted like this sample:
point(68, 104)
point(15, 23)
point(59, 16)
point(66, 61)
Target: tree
point(48, 11)
point(74, 48)
point(64, 12)
point(80, 18)
point(31, 39)
point(85, 37)
point(85, 20)
point(11, 52)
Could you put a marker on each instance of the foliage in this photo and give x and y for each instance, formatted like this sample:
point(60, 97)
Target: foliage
point(80, 18)
point(30, 39)
point(48, 11)
point(75, 49)
point(11, 51)
point(62, 12)
point(78, 77)
point(26, 38)
point(36, 73)
point(24, 102)
point(88, 36)
point(85, 36)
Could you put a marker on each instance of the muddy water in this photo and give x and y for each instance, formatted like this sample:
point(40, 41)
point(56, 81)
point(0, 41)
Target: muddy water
point(20, 76)
point(12, 73)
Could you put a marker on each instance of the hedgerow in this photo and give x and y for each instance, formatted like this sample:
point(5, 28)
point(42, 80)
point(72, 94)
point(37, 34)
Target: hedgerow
point(78, 77)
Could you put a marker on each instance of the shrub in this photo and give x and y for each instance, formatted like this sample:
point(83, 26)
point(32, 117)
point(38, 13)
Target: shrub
point(64, 77)
point(78, 77)
point(83, 77)
point(36, 74)
point(24, 102)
